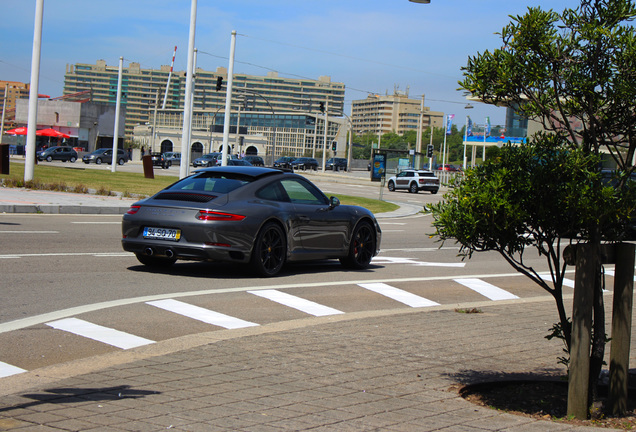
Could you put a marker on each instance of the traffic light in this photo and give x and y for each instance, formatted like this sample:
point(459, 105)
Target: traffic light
point(334, 146)
point(322, 107)
point(219, 83)
point(429, 151)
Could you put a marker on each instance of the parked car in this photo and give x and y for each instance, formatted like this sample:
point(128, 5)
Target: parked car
point(158, 159)
point(173, 158)
point(207, 160)
point(254, 215)
point(284, 162)
point(305, 163)
point(414, 181)
point(65, 154)
point(235, 162)
point(336, 164)
point(105, 155)
point(254, 160)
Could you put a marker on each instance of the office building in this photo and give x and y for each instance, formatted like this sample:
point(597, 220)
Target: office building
point(144, 91)
point(392, 113)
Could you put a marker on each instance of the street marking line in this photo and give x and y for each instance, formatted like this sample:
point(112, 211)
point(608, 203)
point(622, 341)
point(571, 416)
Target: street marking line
point(486, 289)
point(397, 294)
point(566, 282)
point(201, 314)
point(65, 254)
point(399, 260)
point(28, 232)
point(8, 370)
point(97, 223)
point(303, 305)
point(99, 333)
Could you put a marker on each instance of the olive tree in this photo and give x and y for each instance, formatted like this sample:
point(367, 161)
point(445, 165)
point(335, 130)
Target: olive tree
point(574, 73)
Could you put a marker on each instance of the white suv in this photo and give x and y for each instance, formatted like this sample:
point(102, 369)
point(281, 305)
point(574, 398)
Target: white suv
point(414, 181)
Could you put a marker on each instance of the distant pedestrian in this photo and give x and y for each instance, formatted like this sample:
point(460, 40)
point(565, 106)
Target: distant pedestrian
point(129, 153)
point(143, 150)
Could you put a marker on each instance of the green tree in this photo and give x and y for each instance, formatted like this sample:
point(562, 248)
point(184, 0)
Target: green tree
point(574, 73)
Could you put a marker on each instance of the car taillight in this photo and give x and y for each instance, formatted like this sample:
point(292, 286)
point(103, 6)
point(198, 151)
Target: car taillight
point(218, 216)
point(133, 209)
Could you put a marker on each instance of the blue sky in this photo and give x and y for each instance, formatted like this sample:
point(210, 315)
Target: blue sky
point(372, 46)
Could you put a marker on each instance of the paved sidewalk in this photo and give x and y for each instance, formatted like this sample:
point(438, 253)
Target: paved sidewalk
point(376, 371)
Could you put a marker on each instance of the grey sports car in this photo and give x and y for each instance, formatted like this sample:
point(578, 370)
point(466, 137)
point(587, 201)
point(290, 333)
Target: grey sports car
point(261, 216)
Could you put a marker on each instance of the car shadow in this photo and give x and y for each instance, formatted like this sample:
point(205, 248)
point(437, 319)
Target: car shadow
point(205, 269)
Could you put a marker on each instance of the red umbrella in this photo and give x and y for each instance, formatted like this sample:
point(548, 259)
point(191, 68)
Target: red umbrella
point(17, 131)
point(51, 133)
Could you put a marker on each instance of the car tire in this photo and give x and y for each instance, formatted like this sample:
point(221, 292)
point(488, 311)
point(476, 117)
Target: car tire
point(361, 247)
point(155, 262)
point(98, 161)
point(413, 188)
point(120, 162)
point(391, 186)
point(269, 251)
point(72, 159)
point(434, 191)
point(49, 159)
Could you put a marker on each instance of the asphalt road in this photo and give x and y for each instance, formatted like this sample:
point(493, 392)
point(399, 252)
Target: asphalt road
point(70, 270)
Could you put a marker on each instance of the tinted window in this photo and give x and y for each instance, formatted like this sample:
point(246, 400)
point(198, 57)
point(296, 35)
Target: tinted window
point(300, 192)
point(211, 182)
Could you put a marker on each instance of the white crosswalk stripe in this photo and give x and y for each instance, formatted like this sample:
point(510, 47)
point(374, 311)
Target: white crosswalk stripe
point(201, 314)
point(298, 303)
point(397, 294)
point(566, 282)
point(487, 290)
point(8, 370)
point(99, 333)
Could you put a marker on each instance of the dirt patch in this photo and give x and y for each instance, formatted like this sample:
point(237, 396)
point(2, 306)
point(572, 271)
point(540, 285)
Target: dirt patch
point(545, 400)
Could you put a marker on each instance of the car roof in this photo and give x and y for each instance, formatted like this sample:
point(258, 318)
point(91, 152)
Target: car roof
point(250, 171)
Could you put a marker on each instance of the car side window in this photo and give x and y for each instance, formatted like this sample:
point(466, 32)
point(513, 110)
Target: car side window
point(273, 192)
point(300, 192)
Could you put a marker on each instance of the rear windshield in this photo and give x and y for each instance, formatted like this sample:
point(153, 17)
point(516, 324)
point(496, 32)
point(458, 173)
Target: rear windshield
point(211, 182)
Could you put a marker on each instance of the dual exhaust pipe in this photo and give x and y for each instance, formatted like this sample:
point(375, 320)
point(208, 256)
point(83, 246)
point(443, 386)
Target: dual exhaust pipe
point(150, 252)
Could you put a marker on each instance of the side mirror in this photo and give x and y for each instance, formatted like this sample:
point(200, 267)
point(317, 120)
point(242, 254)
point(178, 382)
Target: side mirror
point(333, 202)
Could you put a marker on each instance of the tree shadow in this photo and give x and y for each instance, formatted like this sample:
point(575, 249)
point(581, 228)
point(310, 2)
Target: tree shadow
point(66, 395)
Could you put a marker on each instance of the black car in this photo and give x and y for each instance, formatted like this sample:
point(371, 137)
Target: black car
point(259, 216)
point(58, 153)
point(284, 162)
point(305, 163)
point(158, 159)
point(336, 164)
point(254, 160)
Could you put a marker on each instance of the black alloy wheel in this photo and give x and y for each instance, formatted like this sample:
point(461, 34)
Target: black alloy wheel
point(270, 250)
point(361, 248)
point(391, 186)
point(413, 188)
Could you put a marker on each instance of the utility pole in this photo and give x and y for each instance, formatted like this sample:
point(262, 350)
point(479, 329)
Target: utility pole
point(324, 148)
point(32, 122)
point(113, 161)
point(228, 101)
point(187, 112)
